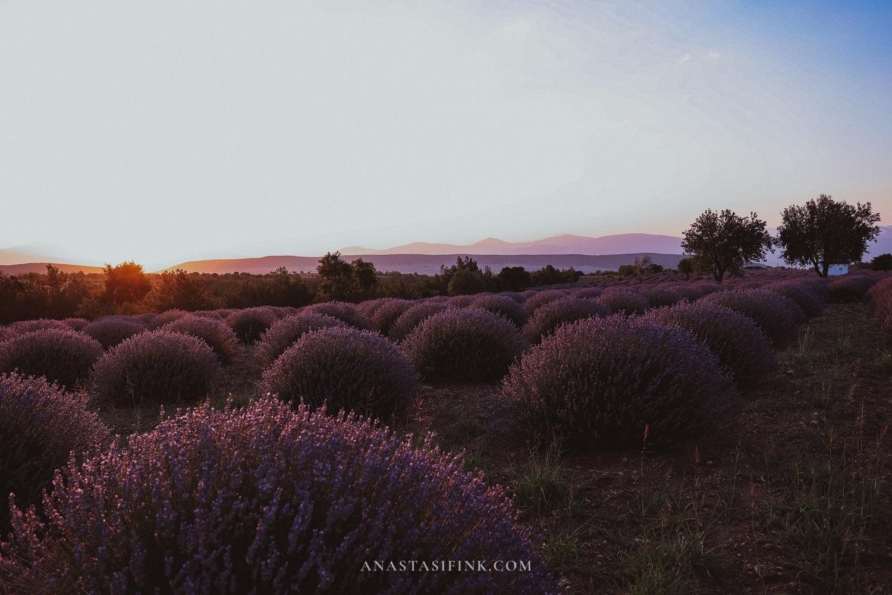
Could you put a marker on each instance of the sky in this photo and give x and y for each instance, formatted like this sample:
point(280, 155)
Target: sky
point(168, 131)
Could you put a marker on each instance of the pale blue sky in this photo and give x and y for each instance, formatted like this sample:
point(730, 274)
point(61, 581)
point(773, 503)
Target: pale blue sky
point(165, 131)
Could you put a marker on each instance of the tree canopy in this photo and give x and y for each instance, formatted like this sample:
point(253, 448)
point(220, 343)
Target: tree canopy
point(824, 232)
point(724, 242)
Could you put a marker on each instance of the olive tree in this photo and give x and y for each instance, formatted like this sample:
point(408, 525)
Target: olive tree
point(724, 242)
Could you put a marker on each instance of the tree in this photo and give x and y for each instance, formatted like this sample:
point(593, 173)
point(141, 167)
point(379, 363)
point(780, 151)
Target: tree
point(124, 283)
point(466, 282)
point(346, 281)
point(181, 290)
point(686, 266)
point(824, 232)
point(514, 278)
point(366, 277)
point(883, 262)
point(724, 242)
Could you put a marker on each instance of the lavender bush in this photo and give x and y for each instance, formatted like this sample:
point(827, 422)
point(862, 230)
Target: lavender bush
point(216, 333)
point(622, 300)
point(166, 317)
point(285, 332)
point(342, 311)
point(502, 305)
point(344, 368)
point(460, 301)
point(587, 292)
point(540, 298)
point(39, 427)
point(774, 314)
point(660, 297)
point(76, 324)
point(687, 292)
point(805, 296)
point(387, 312)
point(266, 500)
point(849, 288)
point(157, 366)
point(464, 345)
point(61, 356)
point(599, 382)
point(111, 330)
point(549, 317)
point(414, 316)
point(249, 324)
point(41, 324)
point(733, 338)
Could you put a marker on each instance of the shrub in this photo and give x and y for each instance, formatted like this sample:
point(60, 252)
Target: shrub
point(587, 293)
point(553, 314)
point(285, 332)
point(41, 324)
point(64, 357)
point(882, 262)
point(149, 319)
point(658, 297)
point(774, 314)
point(414, 316)
point(733, 338)
point(514, 295)
point(460, 301)
point(708, 287)
point(344, 368)
point(502, 305)
point(602, 381)
point(216, 333)
point(464, 345)
point(266, 500)
point(850, 288)
point(688, 292)
point(880, 296)
point(166, 317)
point(159, 366)
point(111, 330)
point(540, 298)
point(344, 312)
point(39, 427)
point(250, 323)
point(622, 300)
point(76, 324)
point(386, 314)
point(805, 296)
point(368, 307)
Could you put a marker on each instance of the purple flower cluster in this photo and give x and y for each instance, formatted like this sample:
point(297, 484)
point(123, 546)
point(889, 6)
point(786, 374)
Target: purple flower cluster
point(40, 324)
point(733, 338)
point(76, 324)
point(387, 312)
point(39, 427)
point(157, 366)
point(850, 288)
point(689, 292)
point(268, 500)
point(622, 300)
point(502, 305)
point(111, 330)
point(806, 296)
point(166, 317)
point(587, 292)
point(464, 345)
point(599, 382)
point(414, 316)
point(213, 331)
point(285, 332)
point(344, 368)
point(343, 311)
point(775, 314)
point(61, 356)
point(539, 298)
point(546, 319)
point(249, 324)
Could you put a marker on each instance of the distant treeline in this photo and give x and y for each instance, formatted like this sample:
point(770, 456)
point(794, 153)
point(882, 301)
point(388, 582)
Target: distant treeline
point(127, 289)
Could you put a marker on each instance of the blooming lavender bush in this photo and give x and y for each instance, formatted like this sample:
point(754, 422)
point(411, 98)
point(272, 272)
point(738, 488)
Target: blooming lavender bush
point(849, 288)
point(659, 297)
point(285, 332)
point(387, 312)
point(464, 345)
point(460, 301)
point(76, 324)
point(343, 311)
point(733, 338)
point(39, 427)
point(622, 300)
point(549, 317)
point(344, 368)
point(41, 324)
point(149, 319)
point(157, 366)
point(599, 382)
point(166, 317)
point(267, 500)
point(215, 332)
point(540, 298)
point(249, 324)
point(111, 330)
point(776, 315)
point(414, 316)
point(587, 292)
point(61, 356)
point(502, 305)
point(805, 296)
point(690, 293)
point(880, 296)
point(514, 295)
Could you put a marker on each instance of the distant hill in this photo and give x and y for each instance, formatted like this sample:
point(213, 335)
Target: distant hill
point(629, 243)
point(426, 264)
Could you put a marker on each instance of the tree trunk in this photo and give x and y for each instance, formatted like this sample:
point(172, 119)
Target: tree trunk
point(826, 268)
